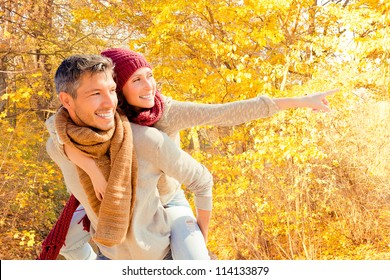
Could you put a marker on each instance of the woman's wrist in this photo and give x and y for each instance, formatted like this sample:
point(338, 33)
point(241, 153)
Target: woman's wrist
point(290, 102)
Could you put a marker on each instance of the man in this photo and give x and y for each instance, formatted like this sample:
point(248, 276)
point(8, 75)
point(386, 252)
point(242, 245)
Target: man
point(130, 222)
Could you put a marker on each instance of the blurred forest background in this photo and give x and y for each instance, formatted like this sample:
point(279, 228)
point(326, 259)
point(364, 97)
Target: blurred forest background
point(297, 185)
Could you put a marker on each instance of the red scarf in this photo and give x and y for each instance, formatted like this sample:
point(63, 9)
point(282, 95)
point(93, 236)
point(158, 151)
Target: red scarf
point(51, 246)
point(147, 117)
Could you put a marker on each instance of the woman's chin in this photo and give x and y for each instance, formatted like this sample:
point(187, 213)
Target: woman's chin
point(148, 105)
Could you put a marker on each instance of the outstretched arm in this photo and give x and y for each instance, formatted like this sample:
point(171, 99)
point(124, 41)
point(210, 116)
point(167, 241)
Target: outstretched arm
point(181, 115)
point(316, 101)
point(89, 166)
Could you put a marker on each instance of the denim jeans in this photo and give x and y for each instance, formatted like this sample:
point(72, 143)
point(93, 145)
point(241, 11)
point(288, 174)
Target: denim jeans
point(76, 245)
point(187, 241)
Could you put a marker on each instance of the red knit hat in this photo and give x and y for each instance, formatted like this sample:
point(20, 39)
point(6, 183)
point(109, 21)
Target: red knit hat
point(126, 63)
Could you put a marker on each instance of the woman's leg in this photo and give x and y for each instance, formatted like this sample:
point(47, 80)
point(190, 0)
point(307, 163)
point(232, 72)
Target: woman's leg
point(187, 241)
point(76, 245)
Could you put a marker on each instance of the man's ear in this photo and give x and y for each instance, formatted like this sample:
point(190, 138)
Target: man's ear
point(65, 99)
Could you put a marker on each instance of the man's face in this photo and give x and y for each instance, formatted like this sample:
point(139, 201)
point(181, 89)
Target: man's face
point(96, 101)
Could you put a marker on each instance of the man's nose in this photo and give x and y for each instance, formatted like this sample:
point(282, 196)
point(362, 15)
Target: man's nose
point(110, 99)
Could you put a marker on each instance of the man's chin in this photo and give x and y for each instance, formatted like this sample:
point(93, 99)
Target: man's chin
point(106, 126)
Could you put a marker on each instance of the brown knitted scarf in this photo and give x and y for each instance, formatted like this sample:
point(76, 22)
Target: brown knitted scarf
point(114, 153)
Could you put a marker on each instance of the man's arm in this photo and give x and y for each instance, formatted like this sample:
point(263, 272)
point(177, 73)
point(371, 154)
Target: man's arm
point(166, 156)
point(203, 218)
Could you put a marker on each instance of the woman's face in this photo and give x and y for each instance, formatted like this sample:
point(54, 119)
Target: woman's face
point(140, 89)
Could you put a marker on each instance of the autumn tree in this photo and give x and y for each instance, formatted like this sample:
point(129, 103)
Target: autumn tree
point(297, 185)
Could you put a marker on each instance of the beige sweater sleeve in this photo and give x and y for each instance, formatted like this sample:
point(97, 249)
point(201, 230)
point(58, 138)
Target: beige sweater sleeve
point(176, 163)
point(164, 155)
point(181, 115)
